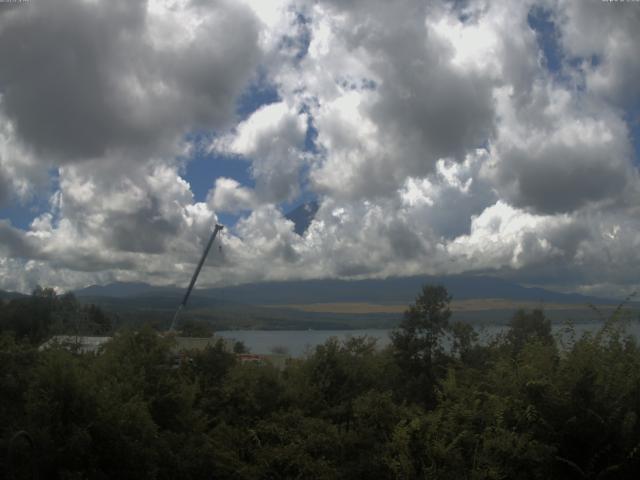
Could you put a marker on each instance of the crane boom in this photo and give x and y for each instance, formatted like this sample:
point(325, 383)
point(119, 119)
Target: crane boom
point(183, 304)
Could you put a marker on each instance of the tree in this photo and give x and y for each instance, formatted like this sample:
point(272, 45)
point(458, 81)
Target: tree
point(41, 292)
point(97, 322)
point(416, 342)
point(240, 347)
point(525, 327)
point(464, 341)
point(45, 313)
point(196, 328)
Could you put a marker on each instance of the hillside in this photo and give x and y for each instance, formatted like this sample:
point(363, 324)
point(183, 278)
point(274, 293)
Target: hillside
point(4, 295)
point(335, 304)
point(395, 290)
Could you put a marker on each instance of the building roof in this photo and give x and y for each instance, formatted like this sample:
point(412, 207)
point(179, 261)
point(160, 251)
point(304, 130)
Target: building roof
point(85, 344)
point(198, 343)
point(79, 343)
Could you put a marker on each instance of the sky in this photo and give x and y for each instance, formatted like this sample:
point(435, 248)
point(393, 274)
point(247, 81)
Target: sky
point(443, 137)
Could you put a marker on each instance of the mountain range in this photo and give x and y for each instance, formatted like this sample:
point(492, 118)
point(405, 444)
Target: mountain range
point(334, 304)
point(394, 290)
point(4, 295)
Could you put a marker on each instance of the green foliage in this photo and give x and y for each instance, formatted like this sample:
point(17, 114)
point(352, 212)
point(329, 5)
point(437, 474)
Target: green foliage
point(521, 407)
point(45, 313)
point(292, 445)
point(195, 328)
point(526, 327)
point(17, 361)
point(251, 392)
point(417, 344)
point(240, 347)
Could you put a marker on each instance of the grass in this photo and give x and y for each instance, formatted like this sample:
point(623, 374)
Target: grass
point(472, 305)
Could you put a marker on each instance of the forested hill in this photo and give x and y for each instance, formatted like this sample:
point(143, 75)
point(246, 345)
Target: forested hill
point(4, 295)
point(398, 290)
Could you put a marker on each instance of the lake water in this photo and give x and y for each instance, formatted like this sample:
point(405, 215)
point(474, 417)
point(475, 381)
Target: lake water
point(299, 342)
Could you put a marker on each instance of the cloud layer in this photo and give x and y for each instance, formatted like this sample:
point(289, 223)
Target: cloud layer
point(438, 138)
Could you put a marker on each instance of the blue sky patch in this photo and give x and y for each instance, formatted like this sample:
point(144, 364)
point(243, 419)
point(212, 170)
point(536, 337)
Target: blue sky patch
point(22, 214)
point(257, 94)
point(203, 170)
point(299, 42)
point(541, 21)
point(204, 167)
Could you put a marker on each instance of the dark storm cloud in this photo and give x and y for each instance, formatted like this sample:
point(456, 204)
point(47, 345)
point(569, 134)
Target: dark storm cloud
point(404, 242)
point(4, 190)
point(568, 238)
point(349, 267)
point(137, 208)
point(605, 35)
point(448, 112)
point(451, 216)
point(80, 79)
point(143, 231)
point(553, 248)
point(563, 179)
point(14, 243)
point(59, 58)
point(90, 262)
point(423, 106)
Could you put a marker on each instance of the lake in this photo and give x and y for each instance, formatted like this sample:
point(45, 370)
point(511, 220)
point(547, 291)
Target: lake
point(299, 342)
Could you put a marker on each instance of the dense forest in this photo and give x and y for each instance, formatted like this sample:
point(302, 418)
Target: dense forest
point(524, 406)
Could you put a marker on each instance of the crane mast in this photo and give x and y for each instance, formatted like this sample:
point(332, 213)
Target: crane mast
point(183, 304)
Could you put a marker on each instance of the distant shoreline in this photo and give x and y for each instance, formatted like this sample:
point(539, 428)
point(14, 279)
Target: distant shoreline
point(470, 305)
